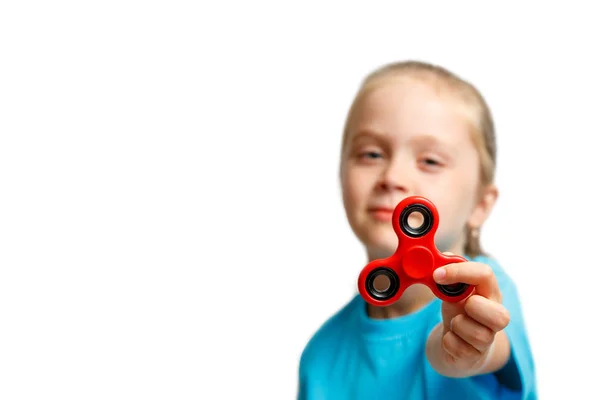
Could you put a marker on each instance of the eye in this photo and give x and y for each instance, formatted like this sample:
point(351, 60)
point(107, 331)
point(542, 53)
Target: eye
point(370, 155)
point(431, 161)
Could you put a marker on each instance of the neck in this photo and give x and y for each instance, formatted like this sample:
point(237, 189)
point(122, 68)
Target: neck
point(413, 299)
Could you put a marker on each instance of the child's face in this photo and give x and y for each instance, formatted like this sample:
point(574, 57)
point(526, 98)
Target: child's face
point(405, 139)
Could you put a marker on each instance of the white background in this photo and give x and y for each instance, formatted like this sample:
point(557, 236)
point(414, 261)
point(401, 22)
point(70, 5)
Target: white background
point(170, 218)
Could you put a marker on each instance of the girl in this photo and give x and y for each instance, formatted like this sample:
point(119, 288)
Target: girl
point(418, 129)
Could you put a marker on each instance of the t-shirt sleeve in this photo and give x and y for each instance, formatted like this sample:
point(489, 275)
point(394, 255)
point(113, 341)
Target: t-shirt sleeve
point(517, 378)
point(310, 385)
point(302, 389)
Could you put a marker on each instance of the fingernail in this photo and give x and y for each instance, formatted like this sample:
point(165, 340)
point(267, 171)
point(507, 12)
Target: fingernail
point(439, 274)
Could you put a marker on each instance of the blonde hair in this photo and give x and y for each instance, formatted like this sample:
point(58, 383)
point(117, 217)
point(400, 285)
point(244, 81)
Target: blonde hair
point(473, 105)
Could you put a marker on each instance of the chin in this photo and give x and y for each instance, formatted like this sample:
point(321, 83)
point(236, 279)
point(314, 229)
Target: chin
point(381, 247)
point(379, 240)
point(378, 252)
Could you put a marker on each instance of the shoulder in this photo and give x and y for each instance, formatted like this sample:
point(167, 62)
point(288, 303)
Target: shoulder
point(519, 373)
point(505, 282)
point(329, 333)
point(507, 285)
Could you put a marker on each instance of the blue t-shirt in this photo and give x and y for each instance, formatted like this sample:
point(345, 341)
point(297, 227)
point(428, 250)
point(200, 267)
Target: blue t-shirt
point(353, 356)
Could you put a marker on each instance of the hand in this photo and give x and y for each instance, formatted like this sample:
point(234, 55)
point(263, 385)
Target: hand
point(469, 329)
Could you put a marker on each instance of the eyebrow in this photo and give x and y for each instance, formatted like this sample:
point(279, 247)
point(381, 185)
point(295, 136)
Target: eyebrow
point(420, 140)
point(428, 139)
point(442, 146)
point(424, 139)
point(367, 133)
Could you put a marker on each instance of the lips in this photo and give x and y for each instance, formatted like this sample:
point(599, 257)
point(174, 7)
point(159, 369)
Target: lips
point(383, 214)
point(386, 209)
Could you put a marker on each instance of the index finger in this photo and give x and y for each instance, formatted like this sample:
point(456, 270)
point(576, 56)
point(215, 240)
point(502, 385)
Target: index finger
point(473, 273)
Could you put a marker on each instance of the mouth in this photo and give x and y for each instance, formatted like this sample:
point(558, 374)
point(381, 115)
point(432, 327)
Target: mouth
point(382, 214)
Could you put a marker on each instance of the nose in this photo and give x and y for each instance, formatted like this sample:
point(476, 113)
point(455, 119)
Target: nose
point(394, 178)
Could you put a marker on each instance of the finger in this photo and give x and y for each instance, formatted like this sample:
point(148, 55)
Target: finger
point(449, 311)
point(487, 312)
point(472, 273)
point(458, 348)
point(472, 332)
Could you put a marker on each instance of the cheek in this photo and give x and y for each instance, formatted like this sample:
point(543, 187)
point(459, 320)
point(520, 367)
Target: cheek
point(350, 190)
point(356, 189)
point(454, 209)
point(454, 198)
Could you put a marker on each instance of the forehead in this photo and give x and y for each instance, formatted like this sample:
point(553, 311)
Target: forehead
point(403, 108)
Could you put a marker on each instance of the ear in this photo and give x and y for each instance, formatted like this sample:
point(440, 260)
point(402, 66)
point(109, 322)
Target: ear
point(483, 207)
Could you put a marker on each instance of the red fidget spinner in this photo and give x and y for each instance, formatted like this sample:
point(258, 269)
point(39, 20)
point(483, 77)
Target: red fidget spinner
point(414, 260)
